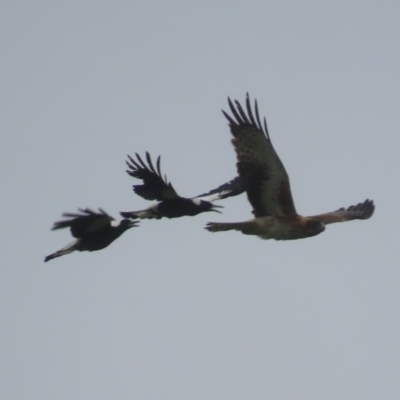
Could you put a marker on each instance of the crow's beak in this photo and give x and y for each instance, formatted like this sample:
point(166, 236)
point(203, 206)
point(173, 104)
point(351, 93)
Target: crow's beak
point(214, 208)
point(133, 224)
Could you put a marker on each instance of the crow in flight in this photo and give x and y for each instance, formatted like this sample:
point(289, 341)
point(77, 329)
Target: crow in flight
point(92, 230)
point(170, 204)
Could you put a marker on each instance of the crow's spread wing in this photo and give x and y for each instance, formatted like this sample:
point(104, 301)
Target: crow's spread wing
point(86, 222)
point(155, 186)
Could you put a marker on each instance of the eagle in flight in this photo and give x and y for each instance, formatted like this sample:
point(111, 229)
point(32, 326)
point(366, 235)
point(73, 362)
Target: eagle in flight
point(266, 183)
point(92, 230)
point(170, 204)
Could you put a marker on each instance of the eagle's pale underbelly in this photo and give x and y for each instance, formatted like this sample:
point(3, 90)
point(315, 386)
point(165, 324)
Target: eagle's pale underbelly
point(271, 227)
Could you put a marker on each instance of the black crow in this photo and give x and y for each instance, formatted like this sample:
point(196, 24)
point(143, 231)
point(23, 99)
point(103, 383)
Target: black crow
point(92, 230)
point(171, 205)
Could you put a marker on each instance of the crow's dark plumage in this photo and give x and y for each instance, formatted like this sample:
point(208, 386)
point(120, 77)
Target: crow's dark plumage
point(170, 204)
point(92, 230)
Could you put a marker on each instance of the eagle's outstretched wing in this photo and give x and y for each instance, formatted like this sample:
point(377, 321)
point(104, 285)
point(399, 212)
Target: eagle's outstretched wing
point(88, 221)
point(154, 187)
point(232, 188)
point(263, 175)
point(360, 211)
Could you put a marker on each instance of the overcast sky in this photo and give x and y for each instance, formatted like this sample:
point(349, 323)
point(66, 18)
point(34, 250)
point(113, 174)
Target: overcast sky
point(170, 311)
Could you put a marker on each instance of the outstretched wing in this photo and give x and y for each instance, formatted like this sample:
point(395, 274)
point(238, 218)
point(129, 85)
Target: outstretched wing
point(232, 188)
point(154, 187)
point(263, 175)
point(360, 211)
point(87, 221)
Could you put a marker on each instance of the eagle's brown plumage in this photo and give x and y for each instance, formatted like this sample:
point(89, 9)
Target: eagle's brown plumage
point(267, 185)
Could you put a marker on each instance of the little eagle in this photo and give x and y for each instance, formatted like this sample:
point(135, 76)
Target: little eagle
point(266, 183)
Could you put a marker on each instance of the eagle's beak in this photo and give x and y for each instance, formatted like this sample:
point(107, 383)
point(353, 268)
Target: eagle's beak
point(214, 208)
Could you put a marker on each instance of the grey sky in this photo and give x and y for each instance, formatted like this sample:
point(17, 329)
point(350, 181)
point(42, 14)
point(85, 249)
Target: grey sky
point(170, 311)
